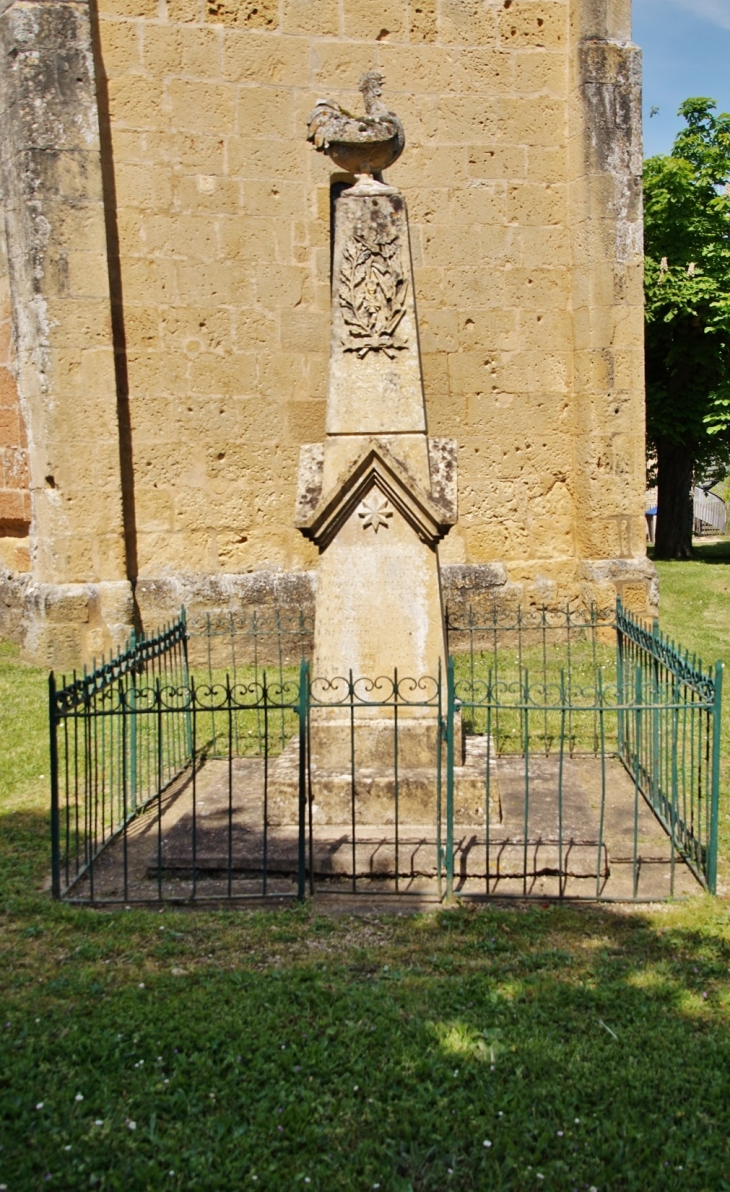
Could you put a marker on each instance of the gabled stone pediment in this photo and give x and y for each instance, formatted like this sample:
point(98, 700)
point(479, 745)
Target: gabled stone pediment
point(320, 515)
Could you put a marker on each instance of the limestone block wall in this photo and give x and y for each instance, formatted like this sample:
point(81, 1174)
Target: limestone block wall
point(79, 600)
point(14, 487)
point(204, 365)
point(605, 166)
point(223, 219)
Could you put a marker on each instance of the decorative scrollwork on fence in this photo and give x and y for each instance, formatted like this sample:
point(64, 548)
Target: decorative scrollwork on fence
point(657, 646)
point(385, 691)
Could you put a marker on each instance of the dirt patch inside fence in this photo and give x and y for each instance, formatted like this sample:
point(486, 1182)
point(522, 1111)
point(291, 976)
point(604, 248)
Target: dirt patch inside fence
point(210, 836)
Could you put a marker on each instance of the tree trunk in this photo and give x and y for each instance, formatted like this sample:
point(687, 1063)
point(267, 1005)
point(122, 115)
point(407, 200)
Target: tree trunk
point(675, 467)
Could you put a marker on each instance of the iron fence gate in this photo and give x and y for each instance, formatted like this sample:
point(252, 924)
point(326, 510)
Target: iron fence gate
point(565, 755)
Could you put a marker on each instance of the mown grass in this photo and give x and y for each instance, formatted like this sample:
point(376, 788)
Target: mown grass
point(268, 1050)
point(695, 609)
point(290, 1048)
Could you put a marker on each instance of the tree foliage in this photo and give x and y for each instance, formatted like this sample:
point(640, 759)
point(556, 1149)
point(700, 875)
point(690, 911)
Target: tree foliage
point(687, 289)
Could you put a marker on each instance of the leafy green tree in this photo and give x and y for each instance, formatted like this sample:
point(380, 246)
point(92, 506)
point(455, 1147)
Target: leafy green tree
point(687, 289)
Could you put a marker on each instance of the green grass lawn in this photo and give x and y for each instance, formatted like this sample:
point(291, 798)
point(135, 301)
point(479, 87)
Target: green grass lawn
point(695, 610)
point(532, 1047)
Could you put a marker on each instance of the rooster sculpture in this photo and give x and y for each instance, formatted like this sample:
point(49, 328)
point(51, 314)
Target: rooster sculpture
point(362, 145)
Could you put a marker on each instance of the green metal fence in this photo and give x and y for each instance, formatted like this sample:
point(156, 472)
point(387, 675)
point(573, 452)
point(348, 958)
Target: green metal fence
point(114, 748)
point(246, 648)
point(669, 737)
point(571, 685)
point(129, 743)
point(587, 744)
point(375, 760)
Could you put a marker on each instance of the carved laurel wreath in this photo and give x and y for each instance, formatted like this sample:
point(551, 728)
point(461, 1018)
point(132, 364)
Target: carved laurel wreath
point(373, 291)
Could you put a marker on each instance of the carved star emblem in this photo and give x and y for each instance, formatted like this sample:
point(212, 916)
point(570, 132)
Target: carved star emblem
point(375, 512)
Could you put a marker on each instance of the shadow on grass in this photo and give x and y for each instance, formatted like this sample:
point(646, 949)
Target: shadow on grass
point(471, 1049)
point(25, 852)
point(704, 552)
point(713, 552)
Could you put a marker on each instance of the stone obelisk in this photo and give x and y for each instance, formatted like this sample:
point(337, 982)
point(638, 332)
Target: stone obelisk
point(378, 494)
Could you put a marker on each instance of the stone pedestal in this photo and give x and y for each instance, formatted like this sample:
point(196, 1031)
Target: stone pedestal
point(376, 498)
point(375, 790)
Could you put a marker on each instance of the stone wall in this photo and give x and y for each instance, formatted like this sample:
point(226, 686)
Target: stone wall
point(14, 488)
point(223, 214)
point(78, 600)
point(209, 268)
point(605, 168)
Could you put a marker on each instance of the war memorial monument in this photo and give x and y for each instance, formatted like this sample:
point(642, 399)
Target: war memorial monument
point(170, 284)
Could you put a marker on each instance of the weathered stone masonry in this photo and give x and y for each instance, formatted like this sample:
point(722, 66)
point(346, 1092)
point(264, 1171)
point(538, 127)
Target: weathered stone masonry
point(77, 596)
point(168, 292)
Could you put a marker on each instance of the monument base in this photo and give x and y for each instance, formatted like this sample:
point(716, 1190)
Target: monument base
point(375, 790)
point(372, 740)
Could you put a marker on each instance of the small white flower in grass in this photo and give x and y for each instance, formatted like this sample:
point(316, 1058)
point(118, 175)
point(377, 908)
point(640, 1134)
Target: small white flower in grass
point(99, 1122)
point(79, 1097)
point(307, 1180)
point(560, 1133)
point(539, 1175)
point(131, 1125)
point(40, 1105)
point(486, 1142)
point(456, 1071)
point(356, 1087)
point(577, 1121)
point(67, 1148)
point(141, 984)
point(170, 1172)
point(500, 1114)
